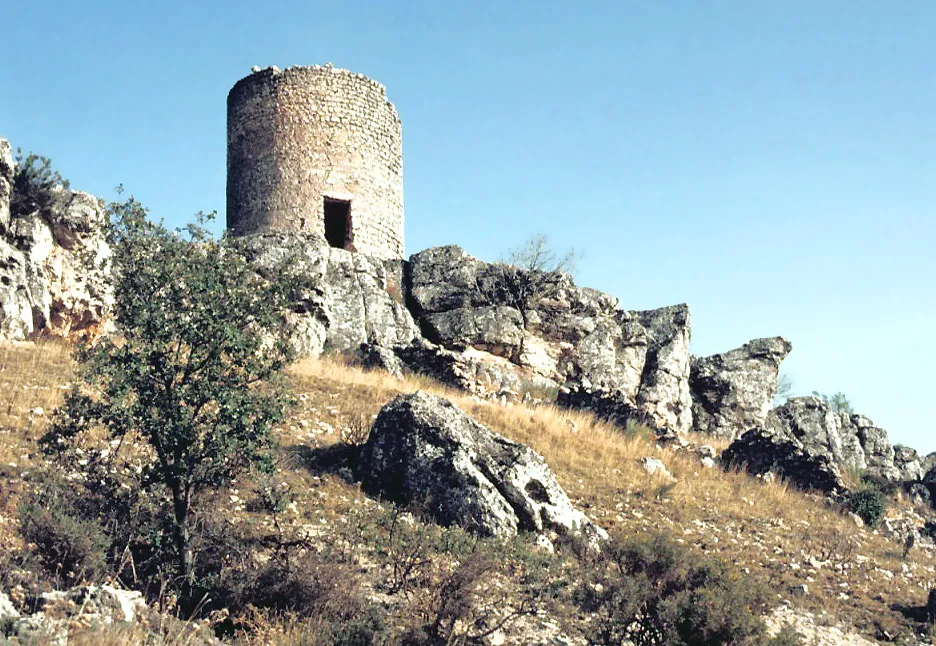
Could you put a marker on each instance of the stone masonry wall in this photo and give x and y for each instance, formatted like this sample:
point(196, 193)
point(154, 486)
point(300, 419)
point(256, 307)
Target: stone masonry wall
point(299, 135)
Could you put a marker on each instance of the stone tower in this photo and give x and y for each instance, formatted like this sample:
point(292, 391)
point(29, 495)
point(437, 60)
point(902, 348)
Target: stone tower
point(316, 149)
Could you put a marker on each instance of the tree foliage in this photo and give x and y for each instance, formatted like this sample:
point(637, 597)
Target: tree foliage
point(837, 402)
point(192, 381)
point(784, 390)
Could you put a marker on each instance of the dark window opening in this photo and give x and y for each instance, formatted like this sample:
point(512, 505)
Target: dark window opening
point(338, 223)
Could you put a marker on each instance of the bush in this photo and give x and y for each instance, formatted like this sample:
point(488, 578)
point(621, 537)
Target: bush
point(787, 637)
point(654, 592)
point(70, 547)
point(34, 184)
point(869, 503)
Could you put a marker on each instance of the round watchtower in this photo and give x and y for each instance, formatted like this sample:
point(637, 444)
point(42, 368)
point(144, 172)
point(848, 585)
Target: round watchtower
point(316, 149)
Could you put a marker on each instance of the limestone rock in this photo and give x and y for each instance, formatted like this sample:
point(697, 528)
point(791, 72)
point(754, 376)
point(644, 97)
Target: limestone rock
point(838, 442)
point(732, 391)
point(908, 463)
point(54, 265)
point(7, 170)
point(664, 393)
point(423, 449)
point(7, 609)
point(761, 451)
point(349, 299)
point(540, 328)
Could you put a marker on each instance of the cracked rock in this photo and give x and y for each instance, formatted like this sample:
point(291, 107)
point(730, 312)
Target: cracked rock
point(424, 450)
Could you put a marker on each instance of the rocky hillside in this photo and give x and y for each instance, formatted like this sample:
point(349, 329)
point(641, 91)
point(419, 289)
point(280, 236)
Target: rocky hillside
point(826, 575)
point(551, 426)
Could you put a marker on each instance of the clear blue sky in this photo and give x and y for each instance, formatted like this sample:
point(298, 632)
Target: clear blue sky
point(773, 164)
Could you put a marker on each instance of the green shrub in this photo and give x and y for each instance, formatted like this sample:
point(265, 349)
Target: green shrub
point(787, 637)
point(869, 503)
point(70, 547)
point(654, 592)
point(34, 184)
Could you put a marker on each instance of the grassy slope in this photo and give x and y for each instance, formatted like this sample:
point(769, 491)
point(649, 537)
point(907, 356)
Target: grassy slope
point(781, 534)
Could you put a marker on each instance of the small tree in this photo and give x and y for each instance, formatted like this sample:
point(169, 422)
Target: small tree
point(784, 390)
point(530, 273)
point(837, 402)
point(194, 375)
point(536, 255)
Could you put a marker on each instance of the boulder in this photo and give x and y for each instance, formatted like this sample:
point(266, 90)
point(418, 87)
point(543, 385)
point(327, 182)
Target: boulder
point(424, 450)
point(732, 392)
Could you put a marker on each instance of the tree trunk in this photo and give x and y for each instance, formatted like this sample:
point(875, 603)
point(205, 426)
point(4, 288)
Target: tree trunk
point(185, 565)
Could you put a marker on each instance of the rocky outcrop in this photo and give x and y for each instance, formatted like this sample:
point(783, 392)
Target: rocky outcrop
point(908, 464)
point(824, 444)
point(761, 451)
point(732, 392)
point(525, 330)
point(348, 300)
point(424, 450)
point(7, 170)
point(53, 264)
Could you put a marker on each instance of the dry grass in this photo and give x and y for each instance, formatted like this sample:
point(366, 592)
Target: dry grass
point(775, 532)
point(33, 379)
point(771, 530)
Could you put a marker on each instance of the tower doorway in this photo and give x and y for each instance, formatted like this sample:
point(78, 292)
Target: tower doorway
point(338, 223)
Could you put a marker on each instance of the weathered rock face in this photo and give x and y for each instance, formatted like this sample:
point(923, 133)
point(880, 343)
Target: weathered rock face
point(351, 299)
point(423, 449)
point(523, 331)
point(820, 430)
point(7, 170)
point(761, 451)
point(826, 442)
point(908, 463)
point(732, 392)
point(53, 264)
